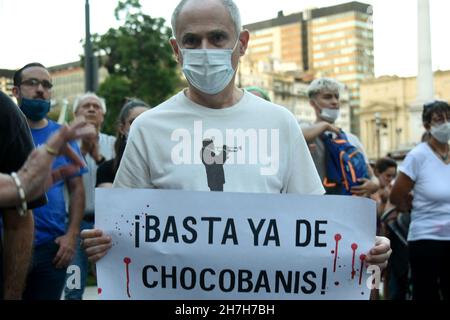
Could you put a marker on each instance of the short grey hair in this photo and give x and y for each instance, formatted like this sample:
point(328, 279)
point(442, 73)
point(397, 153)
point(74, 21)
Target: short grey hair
point(322, 84)
point(84, 96)
point(232, 8)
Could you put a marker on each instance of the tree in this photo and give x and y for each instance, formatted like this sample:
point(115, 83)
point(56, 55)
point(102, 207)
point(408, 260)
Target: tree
point(138, 58)
point(115, 89)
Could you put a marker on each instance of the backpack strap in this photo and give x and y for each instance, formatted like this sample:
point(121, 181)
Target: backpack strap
point(330, 182)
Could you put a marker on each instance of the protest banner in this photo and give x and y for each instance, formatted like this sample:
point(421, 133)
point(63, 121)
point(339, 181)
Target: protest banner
point(171, 245)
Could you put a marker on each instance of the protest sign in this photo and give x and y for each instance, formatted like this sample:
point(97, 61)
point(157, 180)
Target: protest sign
point(233, 246)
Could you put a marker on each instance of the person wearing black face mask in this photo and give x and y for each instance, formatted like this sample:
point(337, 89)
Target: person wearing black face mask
point(54, 243)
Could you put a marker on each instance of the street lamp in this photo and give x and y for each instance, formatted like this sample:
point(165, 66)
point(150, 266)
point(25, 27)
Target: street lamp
point(379, 124)
point(378, 131)
point(90, 62)
point(398, 132)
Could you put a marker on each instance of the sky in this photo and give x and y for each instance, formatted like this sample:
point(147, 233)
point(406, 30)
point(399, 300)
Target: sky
point(50, 31)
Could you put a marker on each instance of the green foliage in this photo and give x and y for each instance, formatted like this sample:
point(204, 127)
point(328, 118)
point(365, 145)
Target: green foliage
point(115, 89)
point(138, 58)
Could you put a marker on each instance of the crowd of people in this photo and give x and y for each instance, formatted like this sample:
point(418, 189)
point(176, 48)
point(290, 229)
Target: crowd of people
point(38, 246)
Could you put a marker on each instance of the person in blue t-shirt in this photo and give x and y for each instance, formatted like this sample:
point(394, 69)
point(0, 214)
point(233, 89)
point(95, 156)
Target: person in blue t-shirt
point(54, 242)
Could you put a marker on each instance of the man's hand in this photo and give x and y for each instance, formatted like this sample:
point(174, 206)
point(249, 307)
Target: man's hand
point(331, 127)
point(366, 188)
point(90, 146)
point(312, 132)
point(95, 151)
point(379, 255)
point(96, 244)
point(67, 246)
point(36, 174)
point(86, 146)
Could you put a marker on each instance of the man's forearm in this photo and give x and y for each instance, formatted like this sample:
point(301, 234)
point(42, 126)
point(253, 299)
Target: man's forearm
point(9, 196)
point(312, 132)
point(18, 244)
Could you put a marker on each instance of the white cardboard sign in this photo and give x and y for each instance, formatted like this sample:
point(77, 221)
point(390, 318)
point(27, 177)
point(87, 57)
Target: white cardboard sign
point(182, 245)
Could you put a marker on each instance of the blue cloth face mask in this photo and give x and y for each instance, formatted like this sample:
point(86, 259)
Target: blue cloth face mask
point(35, 109)
point(208, 70)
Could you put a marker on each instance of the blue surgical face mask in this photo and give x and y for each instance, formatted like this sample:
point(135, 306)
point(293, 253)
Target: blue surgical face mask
point(35, 109)
point(208, 70)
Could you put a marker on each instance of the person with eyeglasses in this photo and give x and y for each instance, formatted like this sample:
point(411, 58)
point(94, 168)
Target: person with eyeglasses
point(423, 188)
point(25, 174)
point(55, 240)
point(210, 31)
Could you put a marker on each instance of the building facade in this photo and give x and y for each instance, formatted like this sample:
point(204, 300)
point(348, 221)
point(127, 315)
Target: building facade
point(335, 42)
point(6, 81)
point(385, 116)
point(68, 83)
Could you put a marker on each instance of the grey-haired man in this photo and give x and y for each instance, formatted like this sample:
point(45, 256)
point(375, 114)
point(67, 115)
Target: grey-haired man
point(96, 150)
point(210, 31)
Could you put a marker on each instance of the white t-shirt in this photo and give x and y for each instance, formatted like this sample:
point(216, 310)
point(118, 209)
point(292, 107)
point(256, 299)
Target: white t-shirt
point(106, 144)
point(430, 216)
point(268, 153)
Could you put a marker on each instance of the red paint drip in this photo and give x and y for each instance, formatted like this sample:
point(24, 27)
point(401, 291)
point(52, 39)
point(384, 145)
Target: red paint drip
point(127, 263)
point(337, 238)
point(99, 290)
point(362, 258)
point(354, 247)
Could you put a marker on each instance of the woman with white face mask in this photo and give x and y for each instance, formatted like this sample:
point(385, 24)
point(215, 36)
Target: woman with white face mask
point(426, 173)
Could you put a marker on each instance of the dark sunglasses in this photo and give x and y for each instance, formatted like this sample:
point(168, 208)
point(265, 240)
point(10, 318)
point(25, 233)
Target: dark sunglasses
point(35, 82)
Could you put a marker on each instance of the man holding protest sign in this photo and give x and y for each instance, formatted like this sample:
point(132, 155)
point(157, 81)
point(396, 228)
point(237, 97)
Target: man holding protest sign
point(271, 153)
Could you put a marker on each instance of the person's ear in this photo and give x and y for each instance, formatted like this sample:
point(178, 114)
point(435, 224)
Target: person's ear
point(16, 92)
point(427, 126)
point(175, 49)
point(313, 103)
point(244, 37)
point(315, 106)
